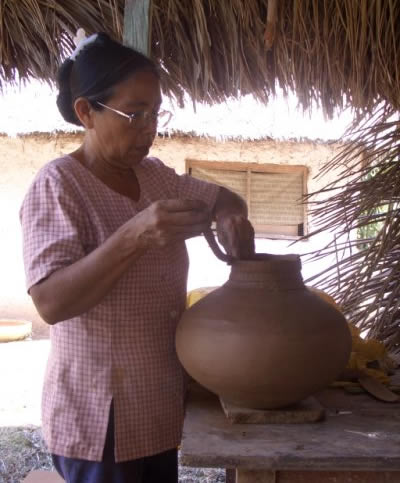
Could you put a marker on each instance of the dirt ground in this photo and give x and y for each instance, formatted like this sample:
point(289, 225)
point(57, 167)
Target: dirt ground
point(22, 366)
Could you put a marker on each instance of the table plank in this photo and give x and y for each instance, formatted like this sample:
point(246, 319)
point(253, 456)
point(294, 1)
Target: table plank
point(351, 441)
point(250, 476)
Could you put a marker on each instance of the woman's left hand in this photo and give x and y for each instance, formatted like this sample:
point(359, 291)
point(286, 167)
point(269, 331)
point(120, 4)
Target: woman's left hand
point(236, 235)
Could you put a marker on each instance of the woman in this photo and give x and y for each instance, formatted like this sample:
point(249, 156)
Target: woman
point(106, 265)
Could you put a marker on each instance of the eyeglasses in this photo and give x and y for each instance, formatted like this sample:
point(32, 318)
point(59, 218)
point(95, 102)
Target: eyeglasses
point(141, 119)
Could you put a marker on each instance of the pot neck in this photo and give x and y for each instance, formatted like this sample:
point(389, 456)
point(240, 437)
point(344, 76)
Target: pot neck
point(274, 272)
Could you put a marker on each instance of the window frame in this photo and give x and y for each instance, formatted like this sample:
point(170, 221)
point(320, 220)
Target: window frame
point(262, 231)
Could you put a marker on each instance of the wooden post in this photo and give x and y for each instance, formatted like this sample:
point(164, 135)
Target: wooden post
point(137, 25)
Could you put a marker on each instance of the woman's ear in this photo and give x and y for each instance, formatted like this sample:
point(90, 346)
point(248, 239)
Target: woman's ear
point(84, 111)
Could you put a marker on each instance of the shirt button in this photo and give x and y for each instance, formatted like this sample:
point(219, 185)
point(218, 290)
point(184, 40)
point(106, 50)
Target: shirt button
point(173, 314)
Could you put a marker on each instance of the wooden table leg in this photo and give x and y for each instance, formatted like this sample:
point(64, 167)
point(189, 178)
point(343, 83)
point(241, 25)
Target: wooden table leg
point(254, 476)
point(230, 475)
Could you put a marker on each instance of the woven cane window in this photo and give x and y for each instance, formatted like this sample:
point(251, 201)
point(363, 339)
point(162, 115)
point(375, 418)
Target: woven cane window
point(273, 193)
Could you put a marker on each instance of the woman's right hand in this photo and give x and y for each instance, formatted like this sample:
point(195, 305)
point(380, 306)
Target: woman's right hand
point(168, 221)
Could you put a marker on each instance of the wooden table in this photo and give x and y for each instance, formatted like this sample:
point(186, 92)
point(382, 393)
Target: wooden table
point(358, 442)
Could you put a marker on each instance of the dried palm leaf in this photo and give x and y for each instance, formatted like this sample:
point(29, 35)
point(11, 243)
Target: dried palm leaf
point(366, 280)
point(333, 52)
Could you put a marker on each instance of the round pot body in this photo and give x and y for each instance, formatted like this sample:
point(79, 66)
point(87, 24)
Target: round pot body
point(263, 340)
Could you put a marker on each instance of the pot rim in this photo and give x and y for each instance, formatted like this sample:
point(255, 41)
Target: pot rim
point(268, 259)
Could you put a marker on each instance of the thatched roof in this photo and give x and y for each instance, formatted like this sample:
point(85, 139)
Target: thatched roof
point(215, 49)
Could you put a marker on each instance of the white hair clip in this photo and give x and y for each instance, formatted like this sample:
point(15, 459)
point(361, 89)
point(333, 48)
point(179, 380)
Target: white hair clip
point(81, 41)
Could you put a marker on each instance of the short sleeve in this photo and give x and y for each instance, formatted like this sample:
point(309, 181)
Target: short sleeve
point(51, 232)
point(187, 187)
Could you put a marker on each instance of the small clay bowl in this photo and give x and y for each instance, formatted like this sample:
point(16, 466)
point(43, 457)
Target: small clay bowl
point(13, 329)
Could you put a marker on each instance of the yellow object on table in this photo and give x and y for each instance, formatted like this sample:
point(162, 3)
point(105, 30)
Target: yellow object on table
point(198, 293)
point(364, 351)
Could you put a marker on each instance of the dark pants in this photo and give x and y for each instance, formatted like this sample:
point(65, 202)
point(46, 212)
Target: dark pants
point(159, 468)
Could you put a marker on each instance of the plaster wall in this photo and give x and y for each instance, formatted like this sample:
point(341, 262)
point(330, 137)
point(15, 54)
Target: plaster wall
point(22, 157)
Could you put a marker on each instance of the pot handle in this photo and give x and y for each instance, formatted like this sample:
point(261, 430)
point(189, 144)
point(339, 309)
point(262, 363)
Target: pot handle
point(212, 242)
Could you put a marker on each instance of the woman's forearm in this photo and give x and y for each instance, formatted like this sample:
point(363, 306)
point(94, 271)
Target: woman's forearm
point(75, 289)
point(234, 230)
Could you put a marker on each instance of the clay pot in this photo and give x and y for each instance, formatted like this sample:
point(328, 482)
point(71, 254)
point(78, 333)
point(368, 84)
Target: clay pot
point(263, 340)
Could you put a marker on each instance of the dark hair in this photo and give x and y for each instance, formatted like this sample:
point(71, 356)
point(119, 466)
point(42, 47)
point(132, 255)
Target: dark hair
point(97, 68)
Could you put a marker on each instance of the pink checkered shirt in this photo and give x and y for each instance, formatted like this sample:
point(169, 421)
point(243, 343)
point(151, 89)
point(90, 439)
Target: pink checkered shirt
point(123, 348)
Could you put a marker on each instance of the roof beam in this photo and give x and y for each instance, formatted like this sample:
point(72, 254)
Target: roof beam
point(137, 25)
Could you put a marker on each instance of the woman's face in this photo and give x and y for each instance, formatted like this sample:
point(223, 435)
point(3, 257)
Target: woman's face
point(120, 142)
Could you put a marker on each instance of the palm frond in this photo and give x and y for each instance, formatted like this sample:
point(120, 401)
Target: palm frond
point(366, 280)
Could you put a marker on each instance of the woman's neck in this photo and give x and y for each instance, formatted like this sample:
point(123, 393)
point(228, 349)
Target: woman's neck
point(117, 176)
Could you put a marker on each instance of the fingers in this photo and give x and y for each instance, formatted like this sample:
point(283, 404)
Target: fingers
point(187, 218)
point(236, 234)
point(182, 205)
point(229, 239)
point(188, 231)
point(169, 221)
point(247, 245)
point(174, 234)
point(181, 212)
